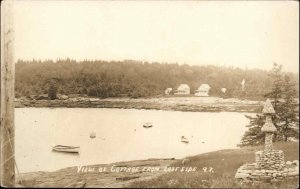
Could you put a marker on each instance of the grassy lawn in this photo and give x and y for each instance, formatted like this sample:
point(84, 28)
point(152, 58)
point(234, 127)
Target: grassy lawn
point(225, 164)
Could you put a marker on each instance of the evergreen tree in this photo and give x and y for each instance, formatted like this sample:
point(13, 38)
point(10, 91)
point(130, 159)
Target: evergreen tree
point(52, 92)
point(286, 119)
point(277, 85)
point(254, 136)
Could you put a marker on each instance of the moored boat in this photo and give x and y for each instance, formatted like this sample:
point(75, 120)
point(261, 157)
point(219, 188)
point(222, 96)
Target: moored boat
point(184, 139)
point(67, 149)
point(147, 125)
point(93, 135)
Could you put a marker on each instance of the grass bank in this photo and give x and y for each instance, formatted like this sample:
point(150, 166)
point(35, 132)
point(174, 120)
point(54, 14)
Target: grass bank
point(224, 165)
point(213, 170)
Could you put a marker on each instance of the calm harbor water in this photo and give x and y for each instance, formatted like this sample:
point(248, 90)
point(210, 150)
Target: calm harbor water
point(120, 135)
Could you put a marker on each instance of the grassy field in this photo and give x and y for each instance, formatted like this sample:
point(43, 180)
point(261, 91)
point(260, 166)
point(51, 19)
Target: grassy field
point(224, 164)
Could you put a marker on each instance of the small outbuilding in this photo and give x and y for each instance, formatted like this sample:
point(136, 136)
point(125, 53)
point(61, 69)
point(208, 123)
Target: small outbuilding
point(168, 91)
point(223, 90)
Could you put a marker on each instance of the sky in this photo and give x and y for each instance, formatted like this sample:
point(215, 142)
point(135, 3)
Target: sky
point(233, 33)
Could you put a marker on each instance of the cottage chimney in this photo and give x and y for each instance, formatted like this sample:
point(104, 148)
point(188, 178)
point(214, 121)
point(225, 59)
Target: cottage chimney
point(268, 128)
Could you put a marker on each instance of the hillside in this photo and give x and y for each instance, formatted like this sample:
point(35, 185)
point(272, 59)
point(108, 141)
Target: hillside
point(225, 164)
point(134, 79)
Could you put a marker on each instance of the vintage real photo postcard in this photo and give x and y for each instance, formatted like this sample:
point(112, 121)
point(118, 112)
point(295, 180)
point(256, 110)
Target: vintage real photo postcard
point(149, 94)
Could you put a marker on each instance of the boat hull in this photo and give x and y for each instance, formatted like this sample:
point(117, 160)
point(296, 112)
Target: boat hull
point(147, 125)
point(66, 149)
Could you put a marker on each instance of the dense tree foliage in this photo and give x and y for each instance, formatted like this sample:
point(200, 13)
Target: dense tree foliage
point(286, 120)
point(52, 92)
point(133, 78)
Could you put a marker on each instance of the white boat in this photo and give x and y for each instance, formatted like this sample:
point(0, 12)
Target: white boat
point(184, 139)
point(147, 125)
point(67, 149)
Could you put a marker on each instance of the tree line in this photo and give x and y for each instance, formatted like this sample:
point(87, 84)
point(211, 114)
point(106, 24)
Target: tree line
point(286, 119)
point(135, 79)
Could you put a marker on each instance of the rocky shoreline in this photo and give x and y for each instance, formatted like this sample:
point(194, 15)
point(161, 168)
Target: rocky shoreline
point(114, 175)
point(190, 104)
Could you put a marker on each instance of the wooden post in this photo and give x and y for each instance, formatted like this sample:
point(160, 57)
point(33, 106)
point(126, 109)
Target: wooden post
point(7, 131)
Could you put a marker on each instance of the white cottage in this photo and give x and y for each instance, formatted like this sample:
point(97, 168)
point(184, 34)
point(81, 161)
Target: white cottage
point(168, 90)
point(203, 90)
point(183, 89)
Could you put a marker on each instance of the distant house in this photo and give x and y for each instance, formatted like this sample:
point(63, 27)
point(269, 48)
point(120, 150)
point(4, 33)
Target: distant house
point(223, 90)
point(203, 90)
point(168, 90)
point(183, 89)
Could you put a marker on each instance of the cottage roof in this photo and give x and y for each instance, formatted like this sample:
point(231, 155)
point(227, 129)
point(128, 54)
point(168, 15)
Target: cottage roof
point(183, 87)
point(204, 87)
point(268, 108)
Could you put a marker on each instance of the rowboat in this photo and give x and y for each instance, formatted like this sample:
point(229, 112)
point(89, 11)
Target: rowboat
point(147, 125)
point(185, 140)
point(93, 135)
point(68, 149)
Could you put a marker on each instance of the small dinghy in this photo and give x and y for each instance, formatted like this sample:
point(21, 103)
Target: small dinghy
point(93, 135)
point(147, 125)
point(67, 149)
point(184, 139)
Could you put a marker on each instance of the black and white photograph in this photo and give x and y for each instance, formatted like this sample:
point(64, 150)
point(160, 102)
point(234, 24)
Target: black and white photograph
point(149, 94)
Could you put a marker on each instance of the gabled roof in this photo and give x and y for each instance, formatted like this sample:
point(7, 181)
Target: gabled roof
point(183, 87)
point(204, 86)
